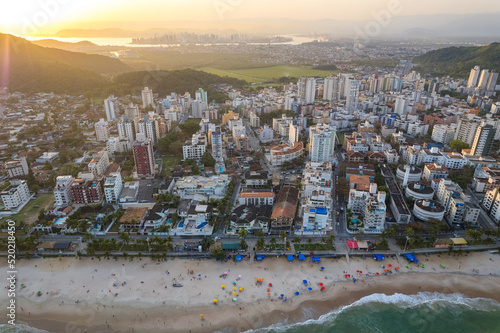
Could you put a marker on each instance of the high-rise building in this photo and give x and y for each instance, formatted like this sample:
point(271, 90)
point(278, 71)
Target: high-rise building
point(147, 98)
point(149, 127)
point(483, 79)
point(400, 105)
point(131, 111)
point(144, 155)
point(353, 95)
point(86, 191)
point(492, 81)
point(217, 144)
point(113, 187)
point(307, 89)
point(102, 130)
point(111, 107)
point(331, 88)
point(201, 95)
point(466, 129)
point(482, 141)
point(473, 77)
point(62, 191)
point(126, 130)
point(293, 133)
point(322, 143)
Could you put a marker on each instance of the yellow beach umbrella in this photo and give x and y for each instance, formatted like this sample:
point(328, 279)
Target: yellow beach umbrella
point(234, 288)
point(241, 289)
point(234, 293)
point(215, 300)
point(223, 286)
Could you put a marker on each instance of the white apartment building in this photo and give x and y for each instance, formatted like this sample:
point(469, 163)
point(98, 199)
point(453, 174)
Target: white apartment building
point(147, 97)
point(211, 187)
point(62, 192)
point(316, 220)
point(217, 145)
point(492, 204)
point(265, 134)
point(352, 95)
point(193, 149)
point(434, 171)
point(443, 133)
point(256, 197)
point(450, 195)
point(307, 89)
point(466, 129)
point(391, 155)
point(426, 209)
point(375, 210)
point(322, 143)
point(102, 130)
point(99, 163)
point(454, 161)
point(282, 125)
point(254, 120)
point(113, 187)
point(17, 168)
point(331, 88)
point(285, 153)
point(126, 130)
point(111, 106)
point(293, 133)
point(483, 140)
point(16, 194)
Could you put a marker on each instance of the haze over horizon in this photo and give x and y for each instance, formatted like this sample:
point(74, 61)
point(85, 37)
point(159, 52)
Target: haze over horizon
point(47, 17)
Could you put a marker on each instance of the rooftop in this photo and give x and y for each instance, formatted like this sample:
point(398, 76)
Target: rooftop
point(429, 205)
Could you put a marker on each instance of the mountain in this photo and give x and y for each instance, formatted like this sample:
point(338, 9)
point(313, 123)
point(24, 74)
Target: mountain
point(35, 68)
point(83, 46)
point(458, 61)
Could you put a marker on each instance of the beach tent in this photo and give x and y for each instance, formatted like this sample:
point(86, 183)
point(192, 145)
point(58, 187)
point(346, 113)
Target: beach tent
point(378, 257)
point(410, 257)
point(459, 241)
point(289, 257)
point(362, 245)
point(238, 257)
point(352, 244)
point(259, 257)
point(302, 257)
point(315, 259)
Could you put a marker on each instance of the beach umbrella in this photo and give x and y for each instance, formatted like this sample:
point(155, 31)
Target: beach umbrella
point(377, 273)
point(397, 267)
point(234, 288)
point(201, 315)
point(304, 281)
point(234, 293)
point(297, 293)
point(239, 276)
point(268, 288)
point(241, 289)
point(235, 299)
point(385, 270)
point(268, 294)
point(223, 286)
point(225, 273)
point(322, 288)
point(270, 284)
point(310, 288)
point(215, 300)
point(234, 282)
point(322, 268)
point(282, 295)
point(360, 272)
point(390, 265)
point(321, 283)
point(407, 266)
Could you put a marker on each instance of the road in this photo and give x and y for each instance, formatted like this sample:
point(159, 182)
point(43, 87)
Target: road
point(484, 219)
point(255, 145)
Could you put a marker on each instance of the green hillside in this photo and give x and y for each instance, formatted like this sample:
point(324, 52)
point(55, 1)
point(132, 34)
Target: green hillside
point(458, 61)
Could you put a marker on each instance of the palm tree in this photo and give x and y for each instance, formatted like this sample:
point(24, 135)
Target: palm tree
point(78, 254)
point(125, 237)
point(260, 243)
point(273, 242)
point(309, 241)
point(107, 254)
point(243, 233)
point(259, 233)
point(296, 239)
point(283, 236)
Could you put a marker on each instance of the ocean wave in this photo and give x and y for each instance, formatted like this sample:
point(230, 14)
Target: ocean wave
point(398, 300)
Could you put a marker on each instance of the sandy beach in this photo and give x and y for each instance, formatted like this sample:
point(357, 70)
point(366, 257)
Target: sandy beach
point(138, 296)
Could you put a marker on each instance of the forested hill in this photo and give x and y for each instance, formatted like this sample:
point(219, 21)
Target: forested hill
point(458, 61)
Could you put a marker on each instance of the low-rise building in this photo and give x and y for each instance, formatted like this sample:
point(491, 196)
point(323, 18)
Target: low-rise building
point(425, 209)
point(251, 218)
point(435, 171)
point(256, 197)
point(414, 174)
point(285, 153)
point(283, 215)
point(419, 191)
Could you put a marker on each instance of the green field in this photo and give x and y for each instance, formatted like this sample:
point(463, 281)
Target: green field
point(170, 162)
point(260, 74)
point(30, 212)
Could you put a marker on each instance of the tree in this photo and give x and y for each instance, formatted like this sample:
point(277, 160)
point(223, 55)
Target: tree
point(283, 236)
point(125, 237)
point(474, 234)
point(259, 233)
point(458, 145)
point(298, 184)
point(208, 160)
point(260, 243)
point(296, 239)
point(243, 244)
point(243, 233)
point(47, 166)
point(273, 241)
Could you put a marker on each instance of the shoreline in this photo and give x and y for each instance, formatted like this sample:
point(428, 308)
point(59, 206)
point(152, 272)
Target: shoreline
point(179, 309)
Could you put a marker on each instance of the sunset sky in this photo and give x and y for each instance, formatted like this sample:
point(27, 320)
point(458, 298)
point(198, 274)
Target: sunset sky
point(49, 16)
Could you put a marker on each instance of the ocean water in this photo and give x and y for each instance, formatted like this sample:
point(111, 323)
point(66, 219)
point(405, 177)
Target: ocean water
point(378, 313)
point(398, 313)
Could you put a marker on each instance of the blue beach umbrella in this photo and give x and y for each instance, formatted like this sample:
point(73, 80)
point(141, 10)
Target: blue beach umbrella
point(296, 293)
